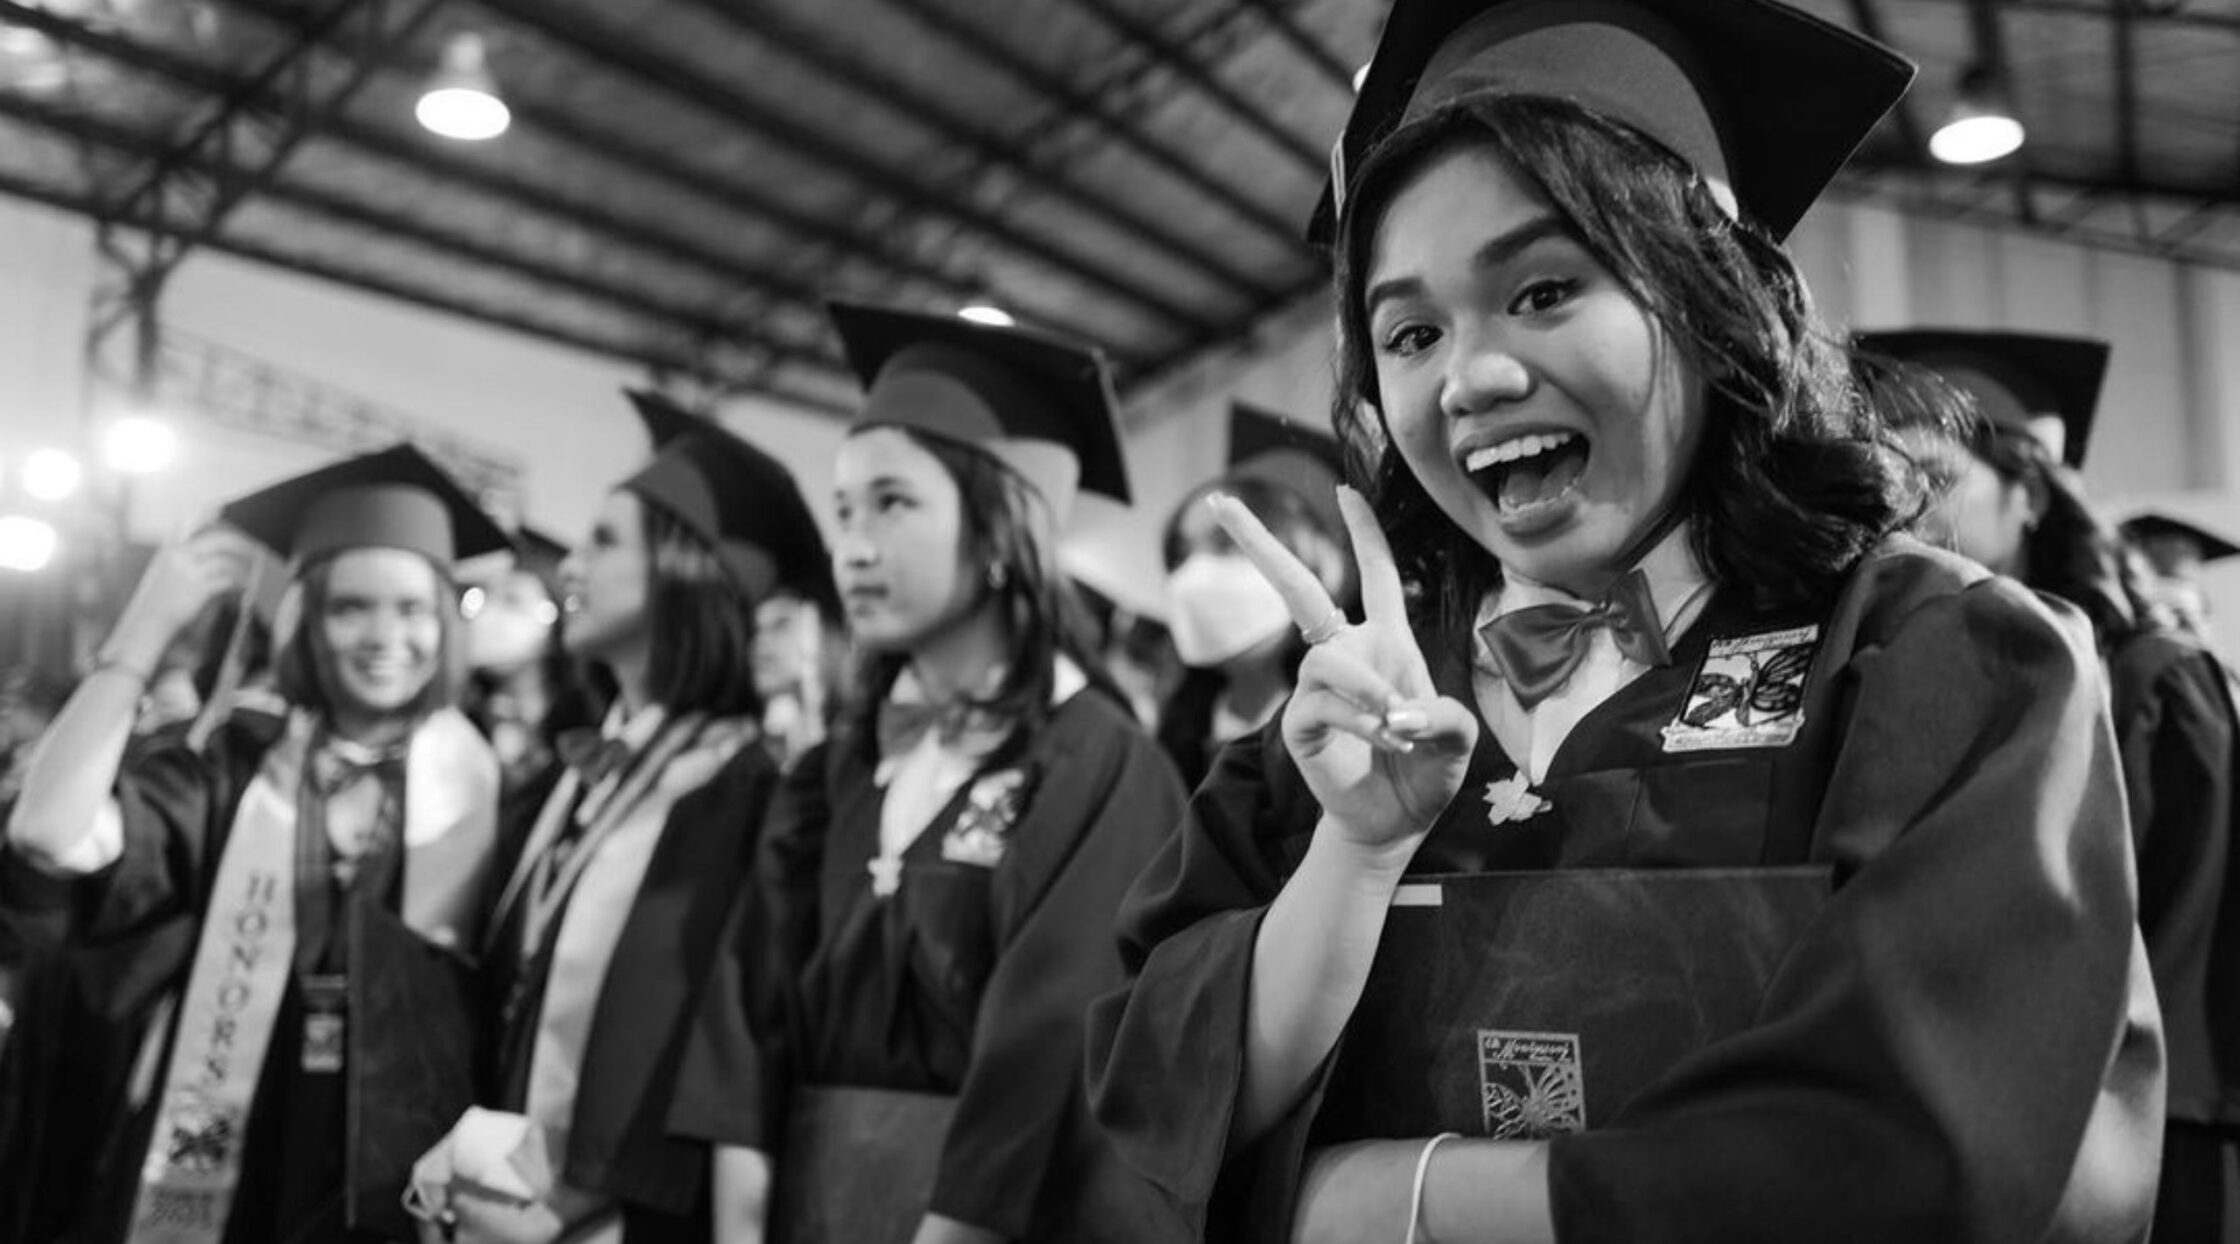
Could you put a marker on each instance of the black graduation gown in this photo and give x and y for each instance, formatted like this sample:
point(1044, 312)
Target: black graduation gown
point(2181, 766)
point(619, 1143)
point(1960, 1047)
point(129, 935)
point(969, 981)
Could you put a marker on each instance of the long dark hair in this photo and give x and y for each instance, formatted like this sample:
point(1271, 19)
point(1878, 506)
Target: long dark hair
point(701, 622)
point(1796, 478)
point(303, 667)
point(1009, 534)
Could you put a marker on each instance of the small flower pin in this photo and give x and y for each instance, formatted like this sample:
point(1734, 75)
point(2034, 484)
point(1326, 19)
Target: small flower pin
point(886, 874)
point(1513, 799)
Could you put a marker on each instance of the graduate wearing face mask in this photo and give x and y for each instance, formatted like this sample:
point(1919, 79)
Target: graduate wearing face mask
point(1230, 629)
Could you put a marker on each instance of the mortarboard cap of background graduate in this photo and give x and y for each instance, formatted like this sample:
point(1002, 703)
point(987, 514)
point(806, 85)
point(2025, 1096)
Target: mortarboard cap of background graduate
point(2044, 385)
point(1041, 405)
point(748, 508)
point(540, 555)
point(2149, 526)
point(1764, 99)
point(1265, 445)
point(396, 498)
point(665, 418)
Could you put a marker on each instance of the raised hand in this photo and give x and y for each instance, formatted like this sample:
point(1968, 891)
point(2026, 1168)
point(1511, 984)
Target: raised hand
point(1382, 751)
point(182, 579)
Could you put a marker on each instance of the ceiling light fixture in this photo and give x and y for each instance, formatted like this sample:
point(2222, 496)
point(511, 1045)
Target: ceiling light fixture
point(51, 474)
point(462, 98)
point(1982, 126)
point(26, 544)
point(987, 313)
point(139, 445)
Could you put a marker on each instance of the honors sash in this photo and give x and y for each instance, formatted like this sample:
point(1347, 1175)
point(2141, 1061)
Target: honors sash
point(246, 948)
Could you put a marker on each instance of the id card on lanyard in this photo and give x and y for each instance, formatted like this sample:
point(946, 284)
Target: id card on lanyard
point(326, 1022)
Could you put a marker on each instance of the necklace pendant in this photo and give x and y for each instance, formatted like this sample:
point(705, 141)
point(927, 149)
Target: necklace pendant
point(886, 874)
point(1513, 799)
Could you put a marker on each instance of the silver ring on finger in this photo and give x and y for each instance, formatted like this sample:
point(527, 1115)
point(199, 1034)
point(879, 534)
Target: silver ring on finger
point(1326, 629)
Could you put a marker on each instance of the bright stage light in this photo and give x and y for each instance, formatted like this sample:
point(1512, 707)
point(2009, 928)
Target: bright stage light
point(26, 544)
point(140, 445)
point(51, 474)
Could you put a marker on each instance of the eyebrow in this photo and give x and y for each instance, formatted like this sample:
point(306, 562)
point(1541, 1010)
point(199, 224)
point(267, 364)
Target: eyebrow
point(1497, 251)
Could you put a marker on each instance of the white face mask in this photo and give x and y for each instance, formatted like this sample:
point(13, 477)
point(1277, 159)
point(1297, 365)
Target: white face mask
point(1218, 606)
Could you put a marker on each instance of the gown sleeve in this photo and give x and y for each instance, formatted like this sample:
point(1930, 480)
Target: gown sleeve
point(1018, 1129)
point(1933, 1052)
point(2175, 724)
point(1166, 1055)
point(730, 1087)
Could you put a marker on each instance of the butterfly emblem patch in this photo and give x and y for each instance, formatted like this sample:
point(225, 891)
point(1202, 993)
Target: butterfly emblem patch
point(982, 833)
point(1749, 693)
point(1531, 1085)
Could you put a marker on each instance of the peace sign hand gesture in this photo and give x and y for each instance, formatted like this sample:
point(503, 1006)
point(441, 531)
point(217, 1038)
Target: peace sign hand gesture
point(1380, 748)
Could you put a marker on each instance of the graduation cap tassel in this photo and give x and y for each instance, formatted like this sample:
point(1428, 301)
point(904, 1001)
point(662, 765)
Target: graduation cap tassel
point(219, 705)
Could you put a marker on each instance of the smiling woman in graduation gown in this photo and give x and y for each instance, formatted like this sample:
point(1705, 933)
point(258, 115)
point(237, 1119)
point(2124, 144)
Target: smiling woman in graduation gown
point(935, 902)
point(1685, 858)
point(263, 1005)
point(609, 920)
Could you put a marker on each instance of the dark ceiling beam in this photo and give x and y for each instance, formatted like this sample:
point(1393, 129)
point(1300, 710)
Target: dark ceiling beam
point(735, 195)
point(2124, 52)
point(389, 287)
point(1306, 45)
point(694, 320)
point(2172, 16)
point(797, 41)
point(1183, 63)
point(488, 180)
point(2147, 185)
point(607, 46)
point(1083, 105)
point(732, 195)
point(1918, 194)
point(1868, 18)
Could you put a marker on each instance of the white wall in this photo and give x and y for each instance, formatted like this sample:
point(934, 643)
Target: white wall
point(2170, 421)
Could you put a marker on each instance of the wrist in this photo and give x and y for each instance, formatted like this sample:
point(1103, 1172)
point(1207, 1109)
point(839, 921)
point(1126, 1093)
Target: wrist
point(1375, 862)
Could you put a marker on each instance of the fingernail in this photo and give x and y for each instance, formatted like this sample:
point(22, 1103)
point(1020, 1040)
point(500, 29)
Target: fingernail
point(1395, 743)
point(1407, 720)
point(1215, 499)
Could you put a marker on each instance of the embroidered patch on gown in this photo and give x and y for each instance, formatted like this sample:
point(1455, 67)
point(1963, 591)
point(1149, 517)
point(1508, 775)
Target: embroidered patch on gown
point(1532, 1084)
point(982, 832)
point(1749, 692)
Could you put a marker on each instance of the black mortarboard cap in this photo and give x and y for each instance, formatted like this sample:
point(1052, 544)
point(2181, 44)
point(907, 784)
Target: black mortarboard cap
point(748, 508)
point(665, 418)
point(1762, 96)
point(2159, 524)
point(1041, 405)
point(1265, 445)
point(2021, 381)
point(540, 555)
point(397, 498)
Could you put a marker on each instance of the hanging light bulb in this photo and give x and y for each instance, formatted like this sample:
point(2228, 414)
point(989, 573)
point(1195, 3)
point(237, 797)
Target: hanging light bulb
point(139, 445)
point(1982, 126)
point(987, 313)
point(51, 474)
point(462, 98)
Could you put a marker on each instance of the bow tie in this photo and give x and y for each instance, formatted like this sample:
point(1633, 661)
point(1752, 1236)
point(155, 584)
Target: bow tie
point(593, 756)
point(961, 725)
point(1537, 647)
point(334, 770)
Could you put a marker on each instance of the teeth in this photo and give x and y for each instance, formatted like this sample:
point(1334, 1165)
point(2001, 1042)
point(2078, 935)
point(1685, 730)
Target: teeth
point(1516, 448)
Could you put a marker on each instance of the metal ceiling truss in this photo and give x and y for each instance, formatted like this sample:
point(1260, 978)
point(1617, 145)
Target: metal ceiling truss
point(1087, 108)
point(1931, 194)
point(1186, 65)
point(799, 42)
point(696, 323)
point(192, 185)
point(1306, 45)
point(609, 46)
